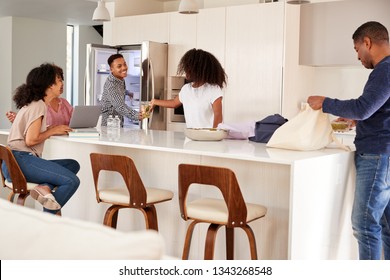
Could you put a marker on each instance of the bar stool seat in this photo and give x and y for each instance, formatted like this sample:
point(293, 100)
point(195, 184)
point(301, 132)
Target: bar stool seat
point(120, 195)
point(215, 211)
point(231, 211)
point(10, 185)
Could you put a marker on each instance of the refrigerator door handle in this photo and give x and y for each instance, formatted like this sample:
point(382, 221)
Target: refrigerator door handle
point(152, 90)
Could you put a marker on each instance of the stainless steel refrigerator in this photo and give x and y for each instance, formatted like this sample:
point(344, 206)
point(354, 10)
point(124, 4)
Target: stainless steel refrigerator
point(146, 77)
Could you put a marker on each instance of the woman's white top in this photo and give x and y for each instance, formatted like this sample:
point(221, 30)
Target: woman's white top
point(198, 104)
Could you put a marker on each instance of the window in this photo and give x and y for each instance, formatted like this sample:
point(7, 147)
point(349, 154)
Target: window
point(69, 63)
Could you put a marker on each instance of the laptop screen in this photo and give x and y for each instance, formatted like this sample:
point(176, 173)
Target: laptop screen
point(85, 116)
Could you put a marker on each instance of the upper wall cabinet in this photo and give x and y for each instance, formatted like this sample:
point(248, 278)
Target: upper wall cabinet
point(326, 30)
point(205, 30)
point(182, 37)
point(135, 29)
point(211, 33)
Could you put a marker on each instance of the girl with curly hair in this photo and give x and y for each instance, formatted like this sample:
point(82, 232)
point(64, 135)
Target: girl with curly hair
point(202, 96)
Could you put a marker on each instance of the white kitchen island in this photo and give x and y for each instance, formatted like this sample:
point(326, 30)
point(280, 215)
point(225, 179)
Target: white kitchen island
point(308, 194)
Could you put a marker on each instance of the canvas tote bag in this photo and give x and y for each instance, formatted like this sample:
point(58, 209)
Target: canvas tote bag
point(309, 130)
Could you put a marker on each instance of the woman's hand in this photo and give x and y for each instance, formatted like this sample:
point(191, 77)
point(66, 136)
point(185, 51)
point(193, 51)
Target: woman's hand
point(10, 116)
point(59, 129)
point(171, 103)
point(152, 104)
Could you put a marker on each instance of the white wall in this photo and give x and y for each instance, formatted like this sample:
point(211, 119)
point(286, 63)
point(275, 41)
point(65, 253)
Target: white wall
point(298, 79)
point(340, 82)
point(5, 69)
point(35, 42)
point(27, 43)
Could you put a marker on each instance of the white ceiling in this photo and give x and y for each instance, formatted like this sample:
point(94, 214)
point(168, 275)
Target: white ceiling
point(68, 11)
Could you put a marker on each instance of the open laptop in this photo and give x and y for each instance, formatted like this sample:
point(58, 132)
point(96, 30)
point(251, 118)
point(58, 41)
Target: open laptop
point(85, 116)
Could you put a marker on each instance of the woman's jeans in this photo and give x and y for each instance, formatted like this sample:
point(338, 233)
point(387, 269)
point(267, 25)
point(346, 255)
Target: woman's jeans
point(371, 208)
point(59, 175)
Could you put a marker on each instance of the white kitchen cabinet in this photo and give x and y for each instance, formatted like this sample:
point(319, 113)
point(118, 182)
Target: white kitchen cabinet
point(254, 61)
point(326, 30)
point(182, 37)
point(107, 33)
point(205, 30)
point(135, 29)
point(211, 32)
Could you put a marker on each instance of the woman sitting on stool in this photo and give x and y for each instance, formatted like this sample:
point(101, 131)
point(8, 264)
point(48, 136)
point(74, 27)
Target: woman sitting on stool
point(28, 134)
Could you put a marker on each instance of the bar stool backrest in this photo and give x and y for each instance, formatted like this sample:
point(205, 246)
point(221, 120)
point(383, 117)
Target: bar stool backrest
point(222, 178)
point(124, 166)
point(19, 183)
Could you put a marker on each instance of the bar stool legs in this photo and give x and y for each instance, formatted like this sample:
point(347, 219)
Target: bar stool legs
point(150, 215)
point(187, 242)
point(252, 241)
point(111, 216)
point(210, 241)
point(229, 243)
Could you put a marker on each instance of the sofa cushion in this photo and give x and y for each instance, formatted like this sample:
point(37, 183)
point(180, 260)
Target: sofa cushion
point(30, 234)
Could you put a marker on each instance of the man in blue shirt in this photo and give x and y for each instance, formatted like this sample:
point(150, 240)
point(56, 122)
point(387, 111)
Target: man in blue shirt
point(371, 208)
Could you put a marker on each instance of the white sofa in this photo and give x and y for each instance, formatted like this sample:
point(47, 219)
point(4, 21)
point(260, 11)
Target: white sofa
point(27, 233)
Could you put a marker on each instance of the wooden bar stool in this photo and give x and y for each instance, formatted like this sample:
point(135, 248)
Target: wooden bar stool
point(231, 211)
point(19, 186)
point(132, 195)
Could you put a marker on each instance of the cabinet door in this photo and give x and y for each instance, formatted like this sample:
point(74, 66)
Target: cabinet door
point(135, 29)
point(182, 37)
point(210, 35)
point(254, 60)
point(327, 28)
point(107, 33)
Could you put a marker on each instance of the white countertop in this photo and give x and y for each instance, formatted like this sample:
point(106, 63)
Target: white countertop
point(176, 142)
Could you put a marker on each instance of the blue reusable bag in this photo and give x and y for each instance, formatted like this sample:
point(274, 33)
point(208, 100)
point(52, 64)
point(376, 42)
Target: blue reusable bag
point(266, 127)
